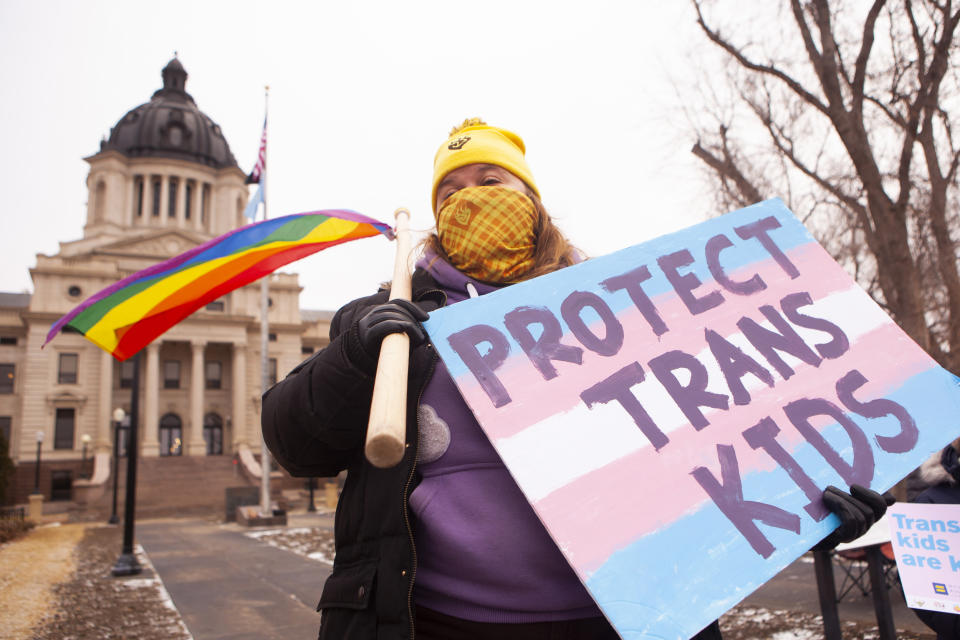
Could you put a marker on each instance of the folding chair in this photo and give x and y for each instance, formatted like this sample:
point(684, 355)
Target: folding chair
point(853, 563)
point(856, 573)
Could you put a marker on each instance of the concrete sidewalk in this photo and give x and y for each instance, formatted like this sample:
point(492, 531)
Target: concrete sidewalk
point(227, 585)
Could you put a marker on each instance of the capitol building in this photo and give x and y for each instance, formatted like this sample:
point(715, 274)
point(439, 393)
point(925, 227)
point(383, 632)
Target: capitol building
point(162, 182)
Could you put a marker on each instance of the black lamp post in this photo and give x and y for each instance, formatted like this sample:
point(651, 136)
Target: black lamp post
point(85, 439)
point(36, 472)
point(127, 563)
point(118, 416)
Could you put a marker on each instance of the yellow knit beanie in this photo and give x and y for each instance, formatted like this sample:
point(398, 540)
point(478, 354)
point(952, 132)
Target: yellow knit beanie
point(475, 142)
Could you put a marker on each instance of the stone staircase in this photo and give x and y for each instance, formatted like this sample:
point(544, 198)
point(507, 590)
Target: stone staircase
point(174, 486)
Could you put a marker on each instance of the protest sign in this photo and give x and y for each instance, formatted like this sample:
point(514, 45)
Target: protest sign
point(674, 410)
point(926, 544)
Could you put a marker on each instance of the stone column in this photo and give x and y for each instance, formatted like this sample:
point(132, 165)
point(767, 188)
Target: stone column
point(194, 440)
point(164, 198)
point(195, 206)
point(150, 425)
point(238, 380)
point(129, 216)
point(181, 201)
point(103, 440)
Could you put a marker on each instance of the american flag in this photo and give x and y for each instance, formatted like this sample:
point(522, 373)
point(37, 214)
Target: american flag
point(261, 164)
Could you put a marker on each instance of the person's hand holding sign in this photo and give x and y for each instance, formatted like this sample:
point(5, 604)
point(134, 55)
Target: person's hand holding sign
point(857, 510)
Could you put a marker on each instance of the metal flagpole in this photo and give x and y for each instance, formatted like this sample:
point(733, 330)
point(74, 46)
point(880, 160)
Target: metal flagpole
point(265, 510)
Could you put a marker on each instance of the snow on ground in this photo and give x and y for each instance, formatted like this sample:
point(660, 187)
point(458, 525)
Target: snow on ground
point(314, 543)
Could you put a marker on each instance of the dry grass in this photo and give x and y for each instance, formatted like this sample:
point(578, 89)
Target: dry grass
point(95, 605)
point(56, 584)
point(30, 567)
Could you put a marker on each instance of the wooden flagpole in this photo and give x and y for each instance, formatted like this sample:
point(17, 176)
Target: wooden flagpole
point(387, 429)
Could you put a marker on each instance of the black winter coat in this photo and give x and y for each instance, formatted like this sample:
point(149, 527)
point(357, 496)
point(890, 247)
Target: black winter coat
point(314, 423)
point(941, 471)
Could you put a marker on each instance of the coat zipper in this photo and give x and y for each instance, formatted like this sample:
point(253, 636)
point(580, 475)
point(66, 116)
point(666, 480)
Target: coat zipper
point(413, 469)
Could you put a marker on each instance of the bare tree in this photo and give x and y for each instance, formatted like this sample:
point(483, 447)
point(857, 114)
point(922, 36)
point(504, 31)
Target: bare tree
point(853, 126)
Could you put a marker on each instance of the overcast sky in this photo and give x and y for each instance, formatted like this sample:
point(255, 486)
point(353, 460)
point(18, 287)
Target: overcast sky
point(361, 95)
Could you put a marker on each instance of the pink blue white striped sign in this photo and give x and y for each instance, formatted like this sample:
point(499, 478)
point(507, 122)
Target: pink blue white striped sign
point(674, 410)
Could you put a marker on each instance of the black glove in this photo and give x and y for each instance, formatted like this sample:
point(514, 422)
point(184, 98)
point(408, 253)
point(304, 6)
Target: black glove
point(857, 510)
point(396, 316)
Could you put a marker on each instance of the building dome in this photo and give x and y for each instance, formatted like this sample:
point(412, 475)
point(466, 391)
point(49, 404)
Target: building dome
point(171, 126)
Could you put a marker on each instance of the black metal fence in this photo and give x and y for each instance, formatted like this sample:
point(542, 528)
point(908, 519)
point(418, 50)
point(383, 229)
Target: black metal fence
point(13, 513)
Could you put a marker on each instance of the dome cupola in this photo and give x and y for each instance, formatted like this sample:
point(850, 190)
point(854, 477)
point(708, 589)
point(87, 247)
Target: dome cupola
point(171, 126)
point(165, 166)
point(174, 78)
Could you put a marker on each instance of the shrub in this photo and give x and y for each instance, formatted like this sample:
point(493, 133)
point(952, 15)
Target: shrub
point(6, 469)
point(13, 528)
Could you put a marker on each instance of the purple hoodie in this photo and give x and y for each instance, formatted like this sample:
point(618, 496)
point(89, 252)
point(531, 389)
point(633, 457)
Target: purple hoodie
point(483, 553)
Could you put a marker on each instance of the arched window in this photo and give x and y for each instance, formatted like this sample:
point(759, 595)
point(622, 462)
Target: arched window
point(188, 199)
point(138, 196)
point(155, 196)
point(173, 185)
point(213, 434)
point(171, 435)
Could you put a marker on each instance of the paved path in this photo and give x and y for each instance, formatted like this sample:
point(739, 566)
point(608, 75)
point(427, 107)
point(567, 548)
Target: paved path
point(795, 589)
point(227, 585)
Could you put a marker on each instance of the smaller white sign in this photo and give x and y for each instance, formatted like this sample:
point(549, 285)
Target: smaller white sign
point(926, 543)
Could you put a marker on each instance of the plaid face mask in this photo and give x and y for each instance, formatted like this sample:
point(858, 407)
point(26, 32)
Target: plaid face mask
point(488, 233)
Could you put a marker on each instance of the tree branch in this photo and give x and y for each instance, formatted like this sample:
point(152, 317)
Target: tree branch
point(917, 39)
point(895, 117)
point(770, 70)
point(785, 146)
point(924, 103)
point(826, 62)
point(726, 167)
point(903, 248)
point(860, 66)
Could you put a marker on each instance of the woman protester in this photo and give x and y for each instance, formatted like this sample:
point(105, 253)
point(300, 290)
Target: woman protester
point(443, 545)
point(941, 475)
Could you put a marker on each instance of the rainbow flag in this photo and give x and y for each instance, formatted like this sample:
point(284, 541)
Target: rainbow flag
point(126, 316)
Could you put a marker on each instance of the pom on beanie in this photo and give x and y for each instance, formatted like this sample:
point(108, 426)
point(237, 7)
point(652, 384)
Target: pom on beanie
point(469, 122)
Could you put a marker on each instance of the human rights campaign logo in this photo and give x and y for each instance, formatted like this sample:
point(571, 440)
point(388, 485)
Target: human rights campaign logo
point(940, 588)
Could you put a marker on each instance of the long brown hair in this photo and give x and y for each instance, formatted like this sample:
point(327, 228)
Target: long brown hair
point(552, 250)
